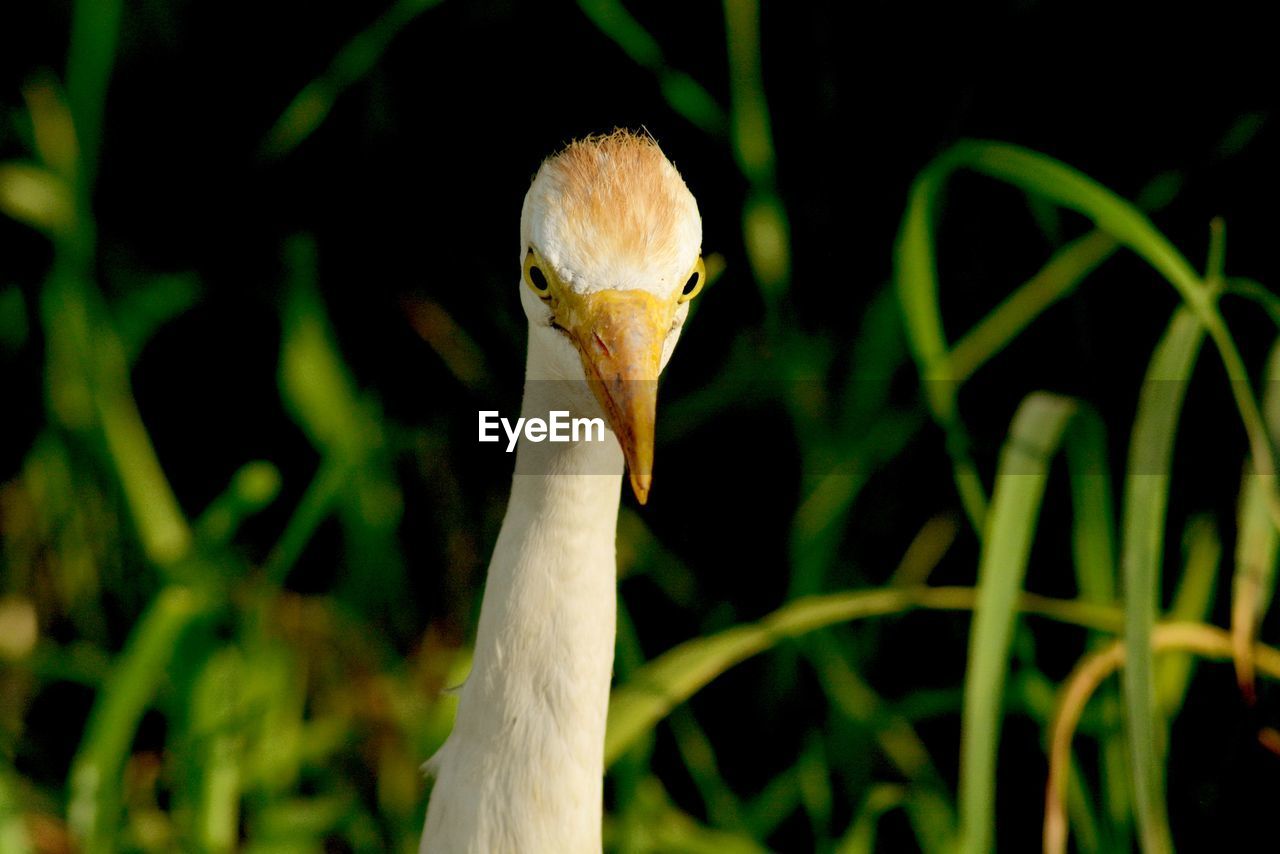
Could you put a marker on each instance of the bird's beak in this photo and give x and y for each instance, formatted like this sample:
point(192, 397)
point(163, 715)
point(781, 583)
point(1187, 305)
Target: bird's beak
point(620, 335)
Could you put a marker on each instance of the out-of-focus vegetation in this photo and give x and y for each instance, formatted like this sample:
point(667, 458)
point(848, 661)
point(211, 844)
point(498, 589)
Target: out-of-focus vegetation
point(255, 657)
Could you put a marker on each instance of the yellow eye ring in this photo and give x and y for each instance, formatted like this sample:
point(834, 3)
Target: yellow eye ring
point(535, 277)
point(697, 278)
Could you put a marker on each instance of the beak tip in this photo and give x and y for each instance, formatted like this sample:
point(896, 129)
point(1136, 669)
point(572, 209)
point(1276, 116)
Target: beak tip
point(640, 484)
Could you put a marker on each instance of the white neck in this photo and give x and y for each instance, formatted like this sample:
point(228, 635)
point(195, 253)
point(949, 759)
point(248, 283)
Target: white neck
point(523, 769)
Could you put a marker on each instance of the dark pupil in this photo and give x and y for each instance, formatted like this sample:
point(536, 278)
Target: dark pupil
point(691, 284)
point(539, 280)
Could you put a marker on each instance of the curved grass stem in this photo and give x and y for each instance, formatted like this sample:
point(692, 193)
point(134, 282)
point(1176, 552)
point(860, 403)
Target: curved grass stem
point(1209, 642)
point(671, 678)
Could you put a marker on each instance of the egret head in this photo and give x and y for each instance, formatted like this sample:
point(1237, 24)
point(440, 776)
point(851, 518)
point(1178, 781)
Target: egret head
point(610, 243)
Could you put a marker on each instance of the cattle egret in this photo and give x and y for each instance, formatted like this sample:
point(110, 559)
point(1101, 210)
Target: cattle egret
point(610, 242)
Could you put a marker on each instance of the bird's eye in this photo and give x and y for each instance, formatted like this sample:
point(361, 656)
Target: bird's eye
point(538, 280)
point(534, 277)
point(694, 283)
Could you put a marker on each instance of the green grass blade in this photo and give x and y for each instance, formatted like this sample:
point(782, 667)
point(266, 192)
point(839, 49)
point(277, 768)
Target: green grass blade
point(138, 314)
point(820, 522)
point(95, 28)
point(673, 677)
point(1146, 493)
point(1116, 787)
point(685, 95)
point(1094, 552)
point(861, 836)
point(916, 280)
point(766, 228)
point(307, 111)
point(1057, 279)
point(928, 808)
point(53, 130)
point(1071, 189)
point(1257, 544)
point(87, 372)
point(779, 798)
point(1203, 640)
point(1036, 173)
point(813, 774)
point(252, 487)
point(1093, 536)
point(99, 763)
point(1192, 603)
point(721, 804)
point(752, 130)
point(916, 277)
point(1080, 808)
point(1256, 292)
point(35, 196)
point(1254, 580)
point(88, 385)
point(1039, 428)
point(344, 425)
point(944, 370)
point(1146, 499)
point(315, 383)
point(217, 710)
point(662, 826)
point(14, 838)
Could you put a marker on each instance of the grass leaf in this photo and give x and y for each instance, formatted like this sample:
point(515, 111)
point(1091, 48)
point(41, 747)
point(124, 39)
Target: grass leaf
point(916, 276)
point(1197, 638)
point(684, 94)
point(308, 109)
point(1192, 602)
point(99, 763)
point(673, 677)
point(1256, 544)
point(1039, 427)
point(861, 837)
point(1146, 499)
point(14, 838)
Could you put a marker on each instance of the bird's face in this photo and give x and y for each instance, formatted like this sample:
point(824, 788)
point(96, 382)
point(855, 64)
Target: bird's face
point(610, 254)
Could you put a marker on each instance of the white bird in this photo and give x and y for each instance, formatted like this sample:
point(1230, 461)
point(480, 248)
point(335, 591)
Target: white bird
point(610, 243)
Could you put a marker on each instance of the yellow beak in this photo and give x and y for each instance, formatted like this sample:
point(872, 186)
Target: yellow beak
point(619, 335)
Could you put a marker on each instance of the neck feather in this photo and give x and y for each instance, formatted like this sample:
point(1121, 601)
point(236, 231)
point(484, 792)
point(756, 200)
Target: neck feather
point(523, 767)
